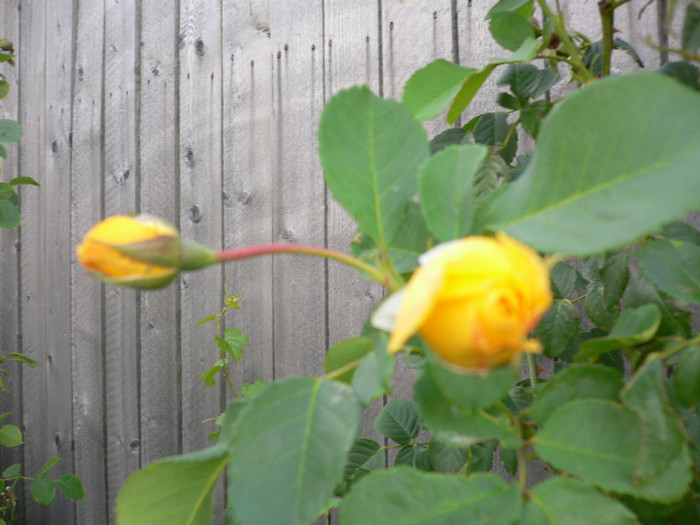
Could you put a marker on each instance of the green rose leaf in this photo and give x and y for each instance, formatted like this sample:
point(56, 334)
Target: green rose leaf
point(453, 425)
point(602, 313)
point(473, 83)
point(471, 392)
point(527, 81)
point(468, 91)
point(288, 450)
point(12, 471)
point(641, 291)
point(558, 327)
point(43, 489)
point(630, 179)
point(24, 180)
point(365, 456)
point(493, 129)
point(565, 280)
point(403, 495)
point(674, 267)
point(559, 501)
point(10, 131)
point(176, 491)
point(446, 190)
point(48, 464)
point(346, 352)
point(399, 421)
point(663, 438)
point(524, 7)
point(431, 89)
point(371, 150)
point(635, 326)
point(510, 29)
point(601, 441)
point(575, 382)
point(9, 215)
point(686, 376)
point(10, 436)
point(71, 487)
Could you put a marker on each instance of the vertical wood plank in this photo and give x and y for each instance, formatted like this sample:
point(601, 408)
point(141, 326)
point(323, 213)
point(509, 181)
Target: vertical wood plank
point(86, 305)
point(159, 170)
point(298, 211)
point(200, 160)
point(200, 207)
point(352, 58)
point(120, 196)
point(404, 53)
point(33, 118)
point(10, 341)
point(46, 282)
point(248, 186)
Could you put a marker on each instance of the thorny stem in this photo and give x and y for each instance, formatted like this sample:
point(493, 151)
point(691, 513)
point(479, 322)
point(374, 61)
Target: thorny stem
point(509, 136)
point(679, 347)
point(224, 359)
point(522, 470)
point(693, 57)
point(385, 279)
point(532, 366)
point(574, 52)
point(607, 12)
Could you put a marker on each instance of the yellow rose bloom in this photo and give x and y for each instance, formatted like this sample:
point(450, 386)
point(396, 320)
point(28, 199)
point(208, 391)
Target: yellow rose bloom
point(123, 250)
point(475, 301)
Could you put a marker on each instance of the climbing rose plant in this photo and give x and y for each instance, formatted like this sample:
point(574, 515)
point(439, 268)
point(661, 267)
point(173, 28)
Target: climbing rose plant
point(572, 256)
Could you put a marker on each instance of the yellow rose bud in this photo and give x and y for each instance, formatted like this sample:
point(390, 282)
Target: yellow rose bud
point(475, 301)
point(140, 252)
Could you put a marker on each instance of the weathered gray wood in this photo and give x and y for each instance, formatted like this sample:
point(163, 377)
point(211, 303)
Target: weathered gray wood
point(159, 184)
point(299, 194)
point(200, 207)
point(637, 28)
point(352, 58)
point(200, 213)
point(120, 196)
point(87, 296)
point(248, 184)
point(32, 117)
point(10, 401)
point(45, 153)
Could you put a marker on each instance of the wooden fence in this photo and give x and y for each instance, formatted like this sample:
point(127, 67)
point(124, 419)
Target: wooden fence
point(203, 112)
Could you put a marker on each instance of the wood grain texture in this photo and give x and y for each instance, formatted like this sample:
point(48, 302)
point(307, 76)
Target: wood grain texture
point(298, 204)
point(160, 391)
point(248, 184)
point(32, 160)
point(121, 181)
point(200, 158)
point(10, 340)
point(200, 207)
point(46, 112)
point(87, 294)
